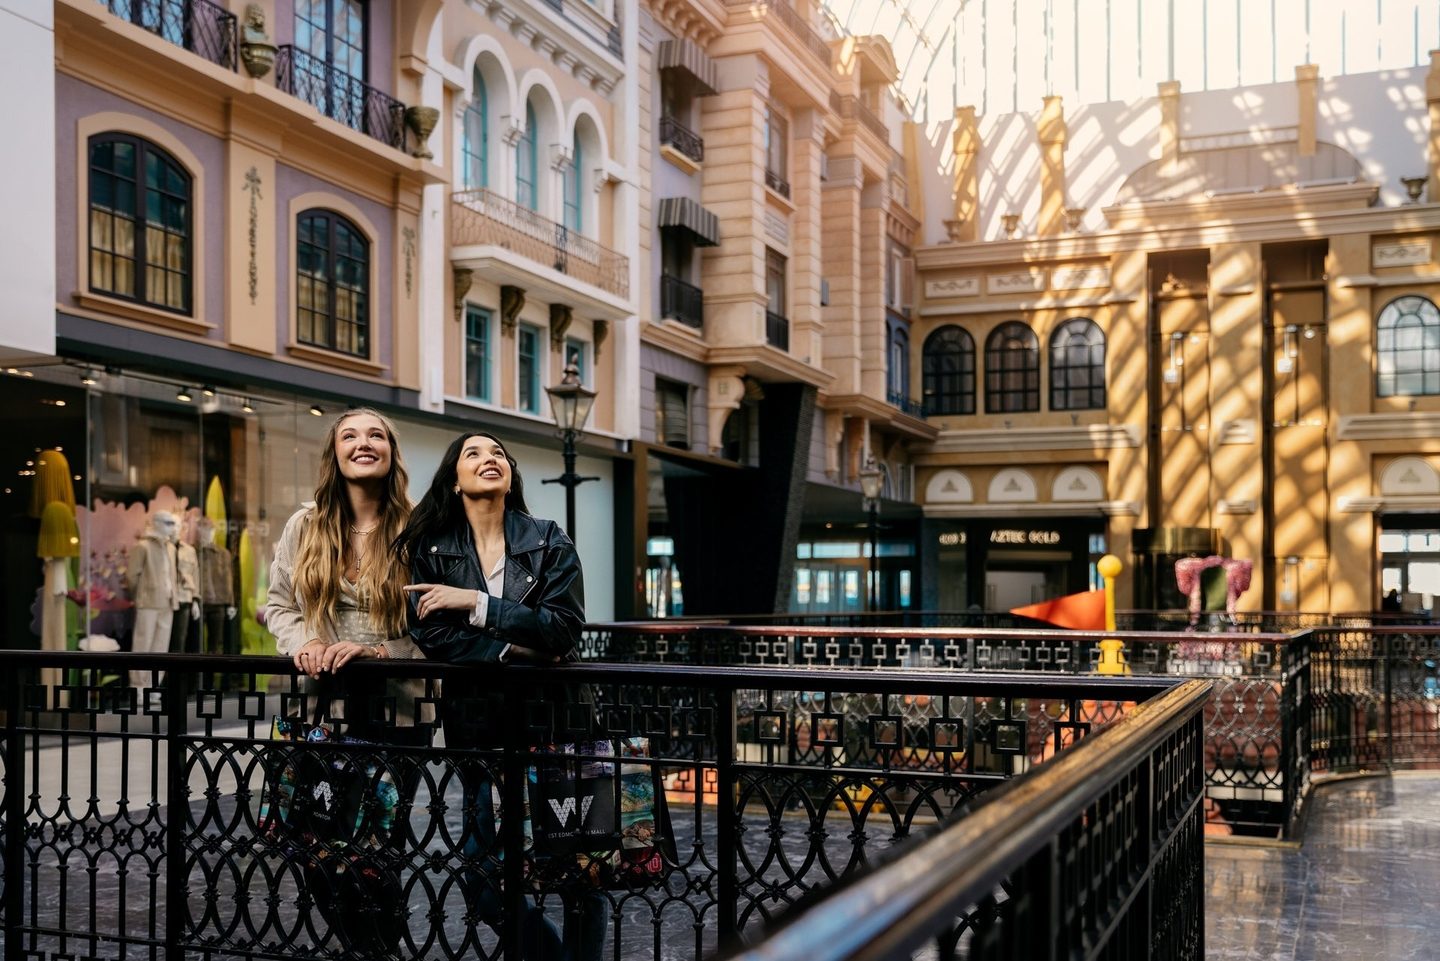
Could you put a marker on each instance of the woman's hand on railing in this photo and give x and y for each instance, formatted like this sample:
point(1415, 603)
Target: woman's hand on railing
point(310, 659)
point(343, 652)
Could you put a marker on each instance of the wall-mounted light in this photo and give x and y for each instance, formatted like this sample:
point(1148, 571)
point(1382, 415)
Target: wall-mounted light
point(1309, 332)
point(88, 378)
point(246, 406)
point(1177, 359)
point(317, 410)
point(183, 395)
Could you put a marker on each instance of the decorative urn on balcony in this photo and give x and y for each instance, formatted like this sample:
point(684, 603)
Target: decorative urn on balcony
point(422, 121)
point(256, 50)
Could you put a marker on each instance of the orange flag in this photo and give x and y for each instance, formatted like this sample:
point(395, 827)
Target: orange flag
point(1078, 612)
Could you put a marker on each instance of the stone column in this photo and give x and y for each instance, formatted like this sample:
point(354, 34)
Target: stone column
point(840, 196)
point(965, 144)
point(807, 147)
point(1432, 98)
point(1052, 134)
point(1350, 329)
point(1169, 92)
point(1128, 390)
point(1307, 80)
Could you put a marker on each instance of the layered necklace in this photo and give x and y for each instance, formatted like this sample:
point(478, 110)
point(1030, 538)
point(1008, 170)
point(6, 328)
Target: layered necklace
point(356, 551)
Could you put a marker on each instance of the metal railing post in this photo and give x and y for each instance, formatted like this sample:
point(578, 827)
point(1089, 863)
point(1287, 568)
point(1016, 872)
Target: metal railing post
point(512, 825)
point(176, 808)
point(1387, 659)
point(14, 820)
point(727, 820)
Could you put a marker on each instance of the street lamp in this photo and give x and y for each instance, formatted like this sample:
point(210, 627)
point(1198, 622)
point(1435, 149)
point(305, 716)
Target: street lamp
point(570, 402)
point(872, 475)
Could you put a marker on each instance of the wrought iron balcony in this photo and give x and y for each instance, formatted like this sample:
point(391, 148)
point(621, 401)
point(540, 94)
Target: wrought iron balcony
point(204, 28)
point(681, 301)
point(777, 330)
point(340, 96)
point(484, 217)
point(853, 108)
point(912, 407)
point(675, 134)
point(777, 183)
point(783, 11)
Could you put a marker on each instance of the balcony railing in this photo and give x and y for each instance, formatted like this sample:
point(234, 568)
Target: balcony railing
point(340, 96)
point(777, 183)
point(204, 28)
point(175, 789)
point(777, 330)
point(853, 108)
point(681, 301)
point(482, 216)
point(675, 134)
point(783, 11)
point(912, 407)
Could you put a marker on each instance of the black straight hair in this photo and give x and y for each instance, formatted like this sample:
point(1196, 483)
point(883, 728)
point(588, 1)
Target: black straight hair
point(440, 509)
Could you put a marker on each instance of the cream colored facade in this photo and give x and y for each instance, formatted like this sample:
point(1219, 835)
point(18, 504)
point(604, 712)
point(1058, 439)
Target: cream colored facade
point(1239, 276)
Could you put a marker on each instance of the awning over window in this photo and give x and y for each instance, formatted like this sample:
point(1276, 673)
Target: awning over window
point(684, 55)
point(682, 213)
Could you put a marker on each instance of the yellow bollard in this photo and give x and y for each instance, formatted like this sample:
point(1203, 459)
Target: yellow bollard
point(1112, 650)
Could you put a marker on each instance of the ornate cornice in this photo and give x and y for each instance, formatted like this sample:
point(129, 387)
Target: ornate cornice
point(1399, 425)
point(1096, 437)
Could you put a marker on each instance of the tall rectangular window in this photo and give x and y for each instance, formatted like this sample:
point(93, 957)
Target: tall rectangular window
point(774, 282)
point(777, 131)
point(528, 369)
point(572, 190)
point(477, 353)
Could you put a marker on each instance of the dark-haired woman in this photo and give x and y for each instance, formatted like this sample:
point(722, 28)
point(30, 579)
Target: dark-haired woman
point(493, 585)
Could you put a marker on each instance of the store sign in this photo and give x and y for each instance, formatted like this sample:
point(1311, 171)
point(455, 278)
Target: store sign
point(1009, 536)
point(952, 538)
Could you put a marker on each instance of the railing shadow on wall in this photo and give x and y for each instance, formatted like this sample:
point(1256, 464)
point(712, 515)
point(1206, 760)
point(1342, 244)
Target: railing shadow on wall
point(133, 824)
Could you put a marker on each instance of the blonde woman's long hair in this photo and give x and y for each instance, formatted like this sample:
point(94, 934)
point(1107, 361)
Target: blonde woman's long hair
point(324, 542)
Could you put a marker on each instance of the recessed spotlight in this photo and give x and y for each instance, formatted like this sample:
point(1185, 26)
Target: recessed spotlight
point(317, 410)
point(183, 395)
point(78, 477)
point(208, 391)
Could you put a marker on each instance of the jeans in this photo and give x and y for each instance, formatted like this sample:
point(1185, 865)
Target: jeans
point(585, 907)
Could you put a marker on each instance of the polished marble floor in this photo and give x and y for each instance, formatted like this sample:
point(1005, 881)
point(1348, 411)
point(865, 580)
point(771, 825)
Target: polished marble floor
point(1363, 884)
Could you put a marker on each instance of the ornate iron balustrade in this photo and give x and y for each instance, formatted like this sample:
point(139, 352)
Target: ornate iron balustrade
point(200, 26)
point(853, 108)
point(682, 301)
point(777, 183)
point(482, 216)
point(912, 407)
point(777, 330)
point(1251, 723)
point(675, 134)
point(783, 11)
point(1098, 854)
point(340, 96)
point(819, 771)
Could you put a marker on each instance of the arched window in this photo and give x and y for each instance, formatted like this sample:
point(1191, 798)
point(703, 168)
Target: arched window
point(1407, 348)
point(1012, 369)
point(526, 177)
point(476, 146)
point(949, 372)
point(1077, 366)
point(140, 223)
point(573, 216)
point(332, 283)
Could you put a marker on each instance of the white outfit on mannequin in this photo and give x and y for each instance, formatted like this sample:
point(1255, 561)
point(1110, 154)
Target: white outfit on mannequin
point(154, 585)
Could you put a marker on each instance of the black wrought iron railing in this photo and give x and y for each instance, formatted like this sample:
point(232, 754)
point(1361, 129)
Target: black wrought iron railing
point(482, 216)
point(912, 407)
point(675, 134)
point(777, 330)
point(159, 818)
point(777, 183)
point(1097, 855)
point(340, 96)
point(682, 301)
point(200, 26)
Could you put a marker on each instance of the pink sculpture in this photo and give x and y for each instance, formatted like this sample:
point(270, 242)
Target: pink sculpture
point(1237, 580)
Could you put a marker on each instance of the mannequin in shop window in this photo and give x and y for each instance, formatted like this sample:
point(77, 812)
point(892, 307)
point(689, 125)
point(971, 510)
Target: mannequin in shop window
point(184, 629)
point(152, 578)
point(217, 594)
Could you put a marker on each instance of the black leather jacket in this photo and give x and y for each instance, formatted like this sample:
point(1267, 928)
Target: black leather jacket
point(541, 610)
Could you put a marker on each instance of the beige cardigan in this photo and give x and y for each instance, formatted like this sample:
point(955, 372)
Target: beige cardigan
point(283, 615)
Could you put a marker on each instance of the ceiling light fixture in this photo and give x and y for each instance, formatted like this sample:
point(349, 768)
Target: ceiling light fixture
point(87, 377)
point(183, 395)
point(208, 391)
point(246, 406)
point(317, 410)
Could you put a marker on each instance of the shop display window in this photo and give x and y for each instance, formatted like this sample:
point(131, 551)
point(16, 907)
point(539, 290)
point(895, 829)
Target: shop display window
point(91, 458)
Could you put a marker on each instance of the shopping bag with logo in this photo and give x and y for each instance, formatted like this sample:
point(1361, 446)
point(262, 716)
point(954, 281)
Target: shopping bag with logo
point(610, 825)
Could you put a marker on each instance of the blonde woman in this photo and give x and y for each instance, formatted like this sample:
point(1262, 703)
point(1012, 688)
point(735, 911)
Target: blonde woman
point(336, 590)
